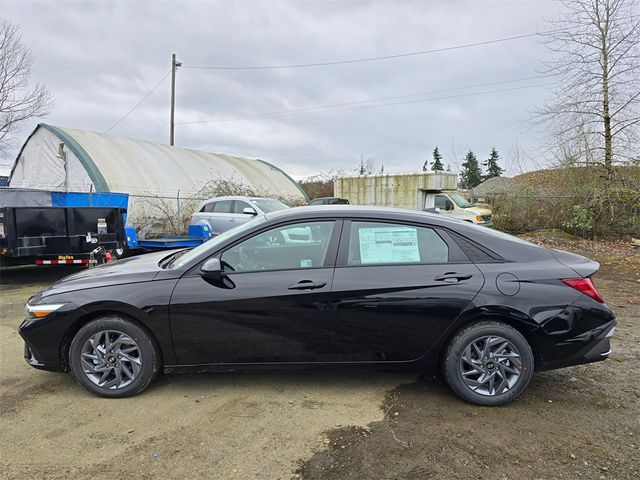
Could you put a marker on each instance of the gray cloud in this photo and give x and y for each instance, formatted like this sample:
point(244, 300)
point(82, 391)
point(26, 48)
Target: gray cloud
point(100, 58)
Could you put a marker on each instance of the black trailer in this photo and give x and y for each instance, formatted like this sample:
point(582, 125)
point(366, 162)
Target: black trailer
point(59, 235)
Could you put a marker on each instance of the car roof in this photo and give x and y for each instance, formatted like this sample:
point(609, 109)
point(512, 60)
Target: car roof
point(235, 197)
point(342, 211)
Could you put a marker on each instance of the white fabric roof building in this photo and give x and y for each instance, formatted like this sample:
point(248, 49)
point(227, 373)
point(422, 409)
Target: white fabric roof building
point(105, 163)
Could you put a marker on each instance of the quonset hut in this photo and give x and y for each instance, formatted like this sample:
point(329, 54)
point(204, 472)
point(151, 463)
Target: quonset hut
point(66, 159)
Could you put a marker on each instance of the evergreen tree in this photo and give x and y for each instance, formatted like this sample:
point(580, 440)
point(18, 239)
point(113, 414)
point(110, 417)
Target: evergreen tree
point(491, 165)
point(436, 165)
point(448, 167)
point(471, 175)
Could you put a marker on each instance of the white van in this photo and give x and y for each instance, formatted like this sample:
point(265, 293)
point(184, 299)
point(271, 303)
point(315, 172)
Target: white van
point(453, 204)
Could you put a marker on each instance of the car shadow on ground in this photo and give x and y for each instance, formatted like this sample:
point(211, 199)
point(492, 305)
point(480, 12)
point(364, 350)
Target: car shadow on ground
point(278, 380)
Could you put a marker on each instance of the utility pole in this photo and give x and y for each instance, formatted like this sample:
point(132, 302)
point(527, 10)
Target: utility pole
point(174, 66)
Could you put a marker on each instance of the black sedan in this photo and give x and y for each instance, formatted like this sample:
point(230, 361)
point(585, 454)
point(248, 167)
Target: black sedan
point(328, 286)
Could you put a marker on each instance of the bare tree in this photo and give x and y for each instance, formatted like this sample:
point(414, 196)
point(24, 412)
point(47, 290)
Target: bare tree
point(595, 54)
point(18, 101)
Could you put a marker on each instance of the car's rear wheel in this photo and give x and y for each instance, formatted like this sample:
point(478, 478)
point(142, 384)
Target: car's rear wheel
point(488, 363)
point(113, 357)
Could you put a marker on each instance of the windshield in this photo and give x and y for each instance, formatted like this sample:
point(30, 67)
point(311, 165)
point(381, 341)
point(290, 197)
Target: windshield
point(268, 205)
point(459, 200)
point(210, 245)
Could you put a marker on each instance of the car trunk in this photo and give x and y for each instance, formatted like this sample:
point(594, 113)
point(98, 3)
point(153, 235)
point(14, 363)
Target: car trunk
point(583, 266)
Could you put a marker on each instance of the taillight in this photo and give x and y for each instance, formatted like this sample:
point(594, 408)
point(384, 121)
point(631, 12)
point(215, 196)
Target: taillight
point(584, 285)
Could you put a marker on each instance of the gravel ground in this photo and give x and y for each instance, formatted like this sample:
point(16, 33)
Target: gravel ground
point(577, 422)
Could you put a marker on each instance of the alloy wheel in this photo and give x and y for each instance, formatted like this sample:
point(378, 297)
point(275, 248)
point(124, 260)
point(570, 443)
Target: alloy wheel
point(490, 365)
point(111, 359)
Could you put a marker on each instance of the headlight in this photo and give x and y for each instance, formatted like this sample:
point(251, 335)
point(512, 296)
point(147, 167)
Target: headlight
point(478, 218)
point(41, 311)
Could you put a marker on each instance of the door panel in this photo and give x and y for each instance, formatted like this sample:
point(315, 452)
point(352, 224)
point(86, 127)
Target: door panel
point(394, 291)
point(396, 313)
point(258, 319)
point(222, 219)
point(271, 304)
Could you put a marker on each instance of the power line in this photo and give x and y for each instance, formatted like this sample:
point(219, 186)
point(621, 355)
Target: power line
point(394, 103)
point(369, 59)
point(311, 109)
point(139, 103)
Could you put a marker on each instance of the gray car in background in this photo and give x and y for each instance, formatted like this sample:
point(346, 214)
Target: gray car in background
point(225, 213)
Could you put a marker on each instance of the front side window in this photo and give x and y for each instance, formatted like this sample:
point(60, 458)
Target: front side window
point(207, 248)
point(443, 203)
point(377, 243)
point(240, 206)
point(290, 247)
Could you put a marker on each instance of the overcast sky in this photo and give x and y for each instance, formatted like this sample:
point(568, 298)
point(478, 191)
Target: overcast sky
point(99, 58)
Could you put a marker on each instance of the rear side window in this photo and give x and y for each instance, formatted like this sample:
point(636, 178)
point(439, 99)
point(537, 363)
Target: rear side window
point(223, 206)
point(377, 243)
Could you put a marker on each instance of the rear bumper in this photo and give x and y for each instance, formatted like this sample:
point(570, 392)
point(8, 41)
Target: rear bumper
point(596, 347)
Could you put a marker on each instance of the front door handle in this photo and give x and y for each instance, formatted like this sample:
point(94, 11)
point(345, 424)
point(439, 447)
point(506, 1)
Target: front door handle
point(453, 277)
point(307, 285)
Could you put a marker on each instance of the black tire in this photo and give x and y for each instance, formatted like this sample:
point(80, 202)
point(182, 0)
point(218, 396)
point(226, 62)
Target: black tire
point(132, 350)
point(122, 252)
point(512, 367)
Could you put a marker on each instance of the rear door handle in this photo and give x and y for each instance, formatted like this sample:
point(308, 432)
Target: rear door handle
point(307, 285)
point(453, 277)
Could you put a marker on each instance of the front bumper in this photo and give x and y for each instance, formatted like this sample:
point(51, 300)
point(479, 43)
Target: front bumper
point(44, 339)
point(31, 357)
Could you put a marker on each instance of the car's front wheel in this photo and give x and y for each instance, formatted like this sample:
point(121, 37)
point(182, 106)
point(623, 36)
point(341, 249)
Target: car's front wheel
point(488, 363)
point(113, 357)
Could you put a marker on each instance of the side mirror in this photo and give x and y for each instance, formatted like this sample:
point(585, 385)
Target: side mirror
point(249, 211)
point(212, 269)
point(449, 205)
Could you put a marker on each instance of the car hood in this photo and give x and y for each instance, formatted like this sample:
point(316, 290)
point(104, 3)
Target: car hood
point(136, 269)
point(478, 210)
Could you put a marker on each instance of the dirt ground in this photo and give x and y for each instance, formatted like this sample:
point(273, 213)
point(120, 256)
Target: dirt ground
point(580, 422)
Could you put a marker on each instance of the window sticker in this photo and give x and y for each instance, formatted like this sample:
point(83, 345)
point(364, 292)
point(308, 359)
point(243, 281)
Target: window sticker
point(306, 263)
point(389, 245)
